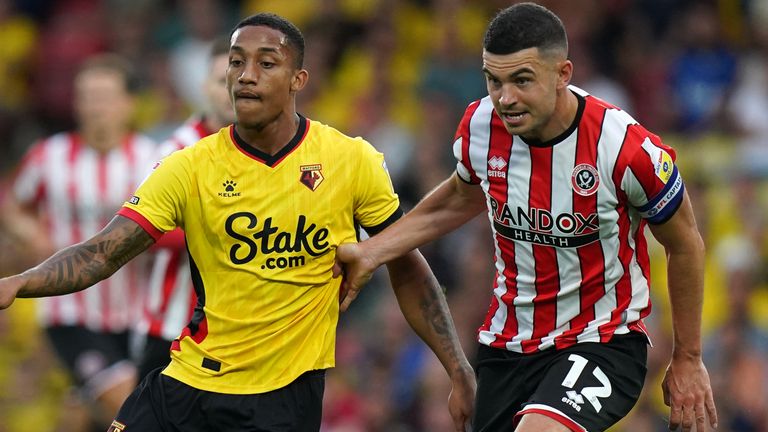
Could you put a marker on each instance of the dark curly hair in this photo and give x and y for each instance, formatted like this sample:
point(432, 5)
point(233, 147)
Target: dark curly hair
point(276, 22)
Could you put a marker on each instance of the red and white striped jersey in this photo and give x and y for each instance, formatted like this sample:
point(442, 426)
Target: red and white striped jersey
point(77, 190)
point(170, 300)
point(567, 219)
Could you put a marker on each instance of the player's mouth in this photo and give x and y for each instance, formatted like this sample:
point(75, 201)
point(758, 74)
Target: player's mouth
point(247, 95)
point(513, 118)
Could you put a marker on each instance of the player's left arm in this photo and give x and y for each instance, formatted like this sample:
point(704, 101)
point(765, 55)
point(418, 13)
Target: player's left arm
point(686, 386)
point(424, 306)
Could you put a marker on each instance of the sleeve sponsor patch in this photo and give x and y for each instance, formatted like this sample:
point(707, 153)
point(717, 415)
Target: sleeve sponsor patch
point(663, 165)
point(661, 207)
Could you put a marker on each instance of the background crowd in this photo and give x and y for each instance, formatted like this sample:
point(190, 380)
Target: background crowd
point(400, 73)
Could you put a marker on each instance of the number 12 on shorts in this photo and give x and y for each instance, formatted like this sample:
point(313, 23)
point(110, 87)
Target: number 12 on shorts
point(591, 394)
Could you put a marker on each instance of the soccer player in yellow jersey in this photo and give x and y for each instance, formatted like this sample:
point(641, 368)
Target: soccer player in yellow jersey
point(263, 203)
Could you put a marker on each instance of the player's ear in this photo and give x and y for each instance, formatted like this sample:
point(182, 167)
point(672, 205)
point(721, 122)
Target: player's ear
point(565, 72)
point(299, 80)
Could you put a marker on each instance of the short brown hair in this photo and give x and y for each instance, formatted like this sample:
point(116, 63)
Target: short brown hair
point(112, 63)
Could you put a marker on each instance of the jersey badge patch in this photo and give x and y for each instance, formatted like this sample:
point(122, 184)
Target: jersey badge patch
point(663, 166)
point(116, 427)
point(311, 176)
point(585, 180)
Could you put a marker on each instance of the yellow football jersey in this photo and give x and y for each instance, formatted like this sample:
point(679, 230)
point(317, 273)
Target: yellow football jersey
point(262, 232)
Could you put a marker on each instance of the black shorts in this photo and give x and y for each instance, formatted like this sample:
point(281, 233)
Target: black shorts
point(164, 404)
point(156, 353)
point(96, 361)
point(586, 387)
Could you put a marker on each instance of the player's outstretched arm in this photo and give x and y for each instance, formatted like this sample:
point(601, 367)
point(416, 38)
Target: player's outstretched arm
point(446, 208)
point(686, 386)
point(423, 304)
point(81, 265)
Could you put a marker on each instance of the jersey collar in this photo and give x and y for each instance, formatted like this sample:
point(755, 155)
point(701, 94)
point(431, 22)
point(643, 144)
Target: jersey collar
point(566, 133)
point(267, 159)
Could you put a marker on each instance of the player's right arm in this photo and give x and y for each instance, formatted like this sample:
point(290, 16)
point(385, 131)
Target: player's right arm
point(81, 265)
point(447, 207)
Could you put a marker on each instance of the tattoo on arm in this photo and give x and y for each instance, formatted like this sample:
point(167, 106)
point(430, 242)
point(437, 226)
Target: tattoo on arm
point(435, 308)
point(84, 264)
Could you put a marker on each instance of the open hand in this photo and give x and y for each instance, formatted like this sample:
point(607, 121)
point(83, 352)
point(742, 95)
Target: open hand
point(688, 393)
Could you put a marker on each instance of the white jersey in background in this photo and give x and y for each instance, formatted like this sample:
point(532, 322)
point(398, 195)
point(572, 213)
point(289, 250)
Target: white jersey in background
point(79, 190)
point(170, 299)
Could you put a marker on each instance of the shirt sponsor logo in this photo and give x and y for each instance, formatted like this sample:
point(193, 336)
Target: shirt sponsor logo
point(540, 226)
point(252, 239)
point(496, 167)
point(585, 180)
point(311, 176)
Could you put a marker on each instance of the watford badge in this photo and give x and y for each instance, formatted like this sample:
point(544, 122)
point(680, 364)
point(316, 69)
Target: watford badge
point(116, 427)
point(311, 176)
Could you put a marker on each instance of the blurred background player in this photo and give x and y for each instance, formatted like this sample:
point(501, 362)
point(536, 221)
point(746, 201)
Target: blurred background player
point(67, 188)
point(170, 300)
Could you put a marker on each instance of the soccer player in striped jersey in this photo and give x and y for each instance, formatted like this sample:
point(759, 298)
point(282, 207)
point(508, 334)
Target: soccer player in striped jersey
point(66, 189)
point(170, 298)
point(568, 183)
point(264, 203)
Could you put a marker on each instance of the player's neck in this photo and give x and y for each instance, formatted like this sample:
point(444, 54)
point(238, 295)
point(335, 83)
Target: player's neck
point(102, 140)
point(271, 136)
point(566, 109)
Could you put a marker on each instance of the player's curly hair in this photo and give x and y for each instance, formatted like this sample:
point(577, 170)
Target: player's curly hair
point(292, 33)
point(525, 25)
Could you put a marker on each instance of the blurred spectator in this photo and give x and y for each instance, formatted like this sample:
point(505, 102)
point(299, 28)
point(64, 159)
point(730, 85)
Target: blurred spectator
point(75, 30)
point(587, 76)
point(737, 352)
point(18, 35)
point(703, 72)
point(747, 107)
point(203, 21)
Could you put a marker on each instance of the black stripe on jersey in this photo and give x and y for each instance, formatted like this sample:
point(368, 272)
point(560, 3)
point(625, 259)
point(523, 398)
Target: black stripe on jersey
point(197, 284)
point(271, 160)
point(372, 231)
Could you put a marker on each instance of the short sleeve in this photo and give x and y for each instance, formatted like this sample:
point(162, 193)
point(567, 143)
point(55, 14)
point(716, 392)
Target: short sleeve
point(158, 203)
point(652, 182)
point(461, 142)
point(375, 198)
